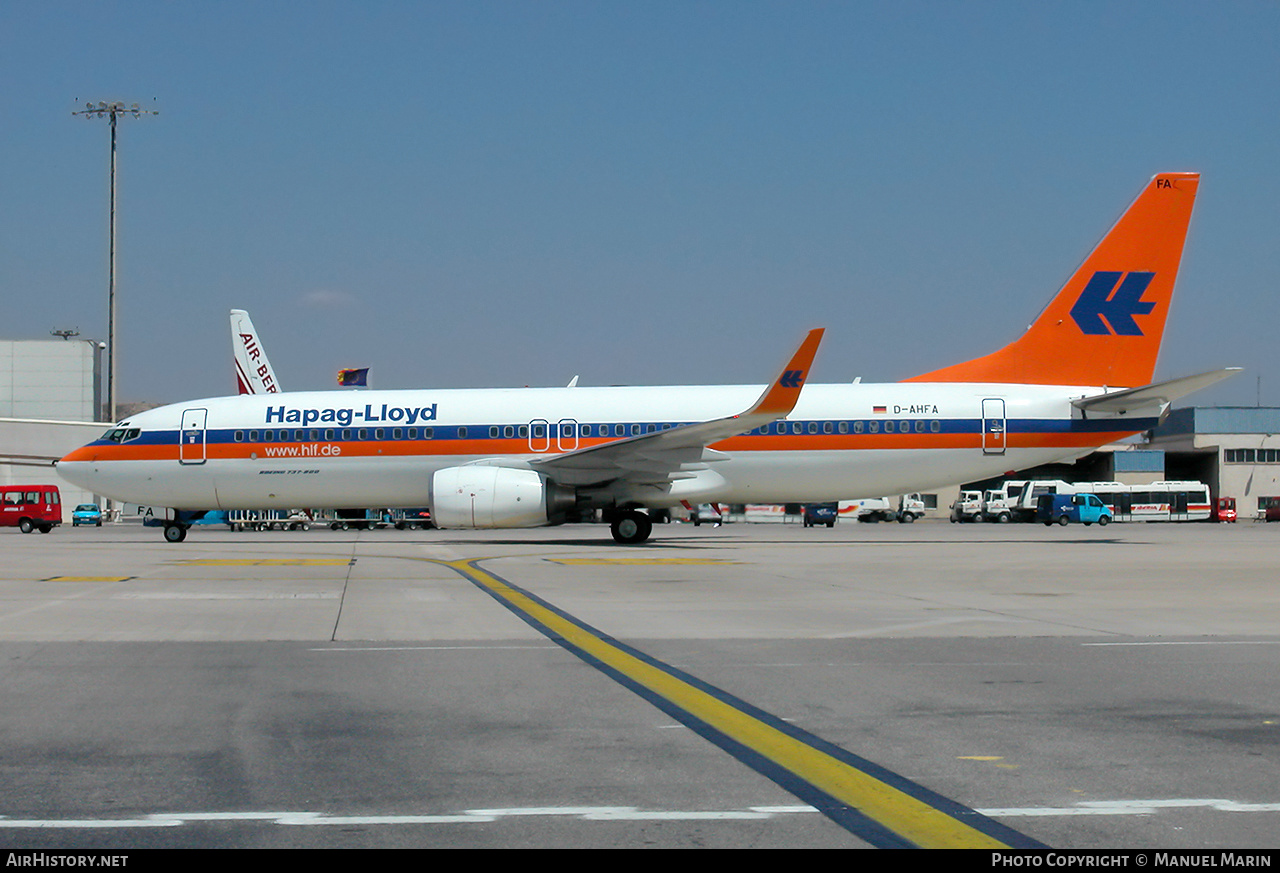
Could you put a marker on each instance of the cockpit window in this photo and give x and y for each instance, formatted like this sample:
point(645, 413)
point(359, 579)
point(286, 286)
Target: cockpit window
point(122, 434)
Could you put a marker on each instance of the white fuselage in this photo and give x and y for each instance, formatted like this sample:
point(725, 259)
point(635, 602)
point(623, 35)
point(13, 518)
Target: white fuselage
point(381, 448)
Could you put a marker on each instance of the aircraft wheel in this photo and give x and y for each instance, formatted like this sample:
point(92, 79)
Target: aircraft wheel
point(631, 527)
point(174, 533)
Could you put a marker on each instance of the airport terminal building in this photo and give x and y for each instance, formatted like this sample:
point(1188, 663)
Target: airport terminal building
point(1235, 450)
point(50, 403)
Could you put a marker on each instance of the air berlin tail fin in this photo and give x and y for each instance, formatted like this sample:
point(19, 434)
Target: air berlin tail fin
point(253, 371)
point(1104, 327)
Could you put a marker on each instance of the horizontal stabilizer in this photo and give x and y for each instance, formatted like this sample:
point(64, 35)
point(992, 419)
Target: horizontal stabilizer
point(1159, 394)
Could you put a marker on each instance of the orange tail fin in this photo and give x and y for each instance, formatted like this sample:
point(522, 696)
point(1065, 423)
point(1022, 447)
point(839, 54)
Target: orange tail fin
point(1105, 325)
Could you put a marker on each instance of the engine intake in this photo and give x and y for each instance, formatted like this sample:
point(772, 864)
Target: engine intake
point(480, 496)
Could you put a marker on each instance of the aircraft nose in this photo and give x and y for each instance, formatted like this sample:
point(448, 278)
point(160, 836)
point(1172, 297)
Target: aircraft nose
point(77, 467)
point(84, 453)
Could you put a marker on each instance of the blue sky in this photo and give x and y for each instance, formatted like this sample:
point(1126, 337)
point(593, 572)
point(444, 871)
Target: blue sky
point(513, 193)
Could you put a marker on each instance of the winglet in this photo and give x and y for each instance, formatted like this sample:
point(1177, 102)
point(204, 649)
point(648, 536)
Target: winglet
point(781, 396)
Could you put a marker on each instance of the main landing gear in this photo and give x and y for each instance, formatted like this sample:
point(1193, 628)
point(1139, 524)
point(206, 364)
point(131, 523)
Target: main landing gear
point(630, 527)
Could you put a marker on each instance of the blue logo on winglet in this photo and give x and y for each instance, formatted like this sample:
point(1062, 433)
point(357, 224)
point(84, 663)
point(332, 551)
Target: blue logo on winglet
point(1097, 302)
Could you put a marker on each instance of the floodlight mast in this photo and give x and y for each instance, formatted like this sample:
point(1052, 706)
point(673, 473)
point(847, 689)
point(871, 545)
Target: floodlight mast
point(113, 111)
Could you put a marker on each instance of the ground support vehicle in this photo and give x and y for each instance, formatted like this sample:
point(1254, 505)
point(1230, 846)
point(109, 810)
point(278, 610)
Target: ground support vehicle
point(909, 507)
point(1000, 504)
point(968, 507)
point(821, 513)
point(30, 507)
point(269, 519)
point(1067, 508)
point(360, 519)
point(412, 519)
point(713, 513)
point(1152, 501)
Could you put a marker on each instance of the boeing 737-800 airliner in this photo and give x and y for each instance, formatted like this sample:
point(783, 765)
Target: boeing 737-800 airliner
point(506, 458)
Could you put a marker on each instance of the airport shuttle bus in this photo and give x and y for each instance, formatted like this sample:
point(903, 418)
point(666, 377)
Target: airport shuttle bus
point(1155, 501)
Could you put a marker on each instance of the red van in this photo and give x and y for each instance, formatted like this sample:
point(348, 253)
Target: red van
point(30, 507)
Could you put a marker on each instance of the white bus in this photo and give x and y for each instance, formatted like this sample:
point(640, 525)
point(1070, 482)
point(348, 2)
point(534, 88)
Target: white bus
point(1155, 501)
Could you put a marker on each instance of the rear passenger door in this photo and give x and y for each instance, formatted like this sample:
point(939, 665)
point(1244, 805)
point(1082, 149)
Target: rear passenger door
point(993, 426)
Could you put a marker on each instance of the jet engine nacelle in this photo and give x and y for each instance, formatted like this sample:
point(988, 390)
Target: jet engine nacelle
point(480, 496)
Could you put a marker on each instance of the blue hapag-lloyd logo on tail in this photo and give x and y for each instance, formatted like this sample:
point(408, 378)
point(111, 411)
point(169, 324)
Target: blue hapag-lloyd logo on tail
point(1097, 302)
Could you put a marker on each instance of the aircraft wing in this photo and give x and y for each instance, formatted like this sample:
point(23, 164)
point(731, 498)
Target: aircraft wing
point(1157, 396)
point(666, 455)
point(38, 443)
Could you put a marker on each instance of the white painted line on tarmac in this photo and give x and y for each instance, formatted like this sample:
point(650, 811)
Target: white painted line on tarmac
point(543, 647)
point(469, 816)
point(1133, 807)
point(603, 814)
point(1192, 643)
